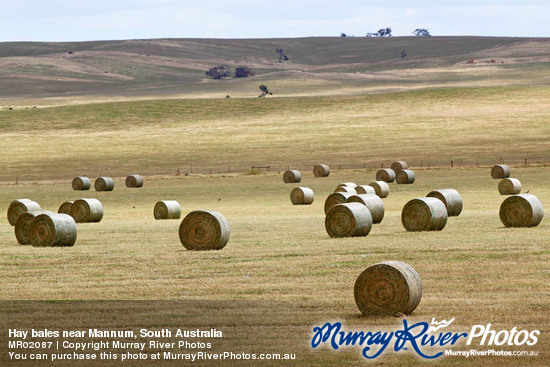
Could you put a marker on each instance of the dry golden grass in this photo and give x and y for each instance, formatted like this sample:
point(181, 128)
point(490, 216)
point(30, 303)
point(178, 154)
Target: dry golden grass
point(475, 269)
point(158, 137)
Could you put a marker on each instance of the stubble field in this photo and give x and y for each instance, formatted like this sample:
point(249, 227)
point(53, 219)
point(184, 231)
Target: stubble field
point(475, 269)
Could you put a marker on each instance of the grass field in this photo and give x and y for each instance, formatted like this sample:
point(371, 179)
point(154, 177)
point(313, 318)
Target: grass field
point(475, 269)
point(159, 137)
point(435, 110)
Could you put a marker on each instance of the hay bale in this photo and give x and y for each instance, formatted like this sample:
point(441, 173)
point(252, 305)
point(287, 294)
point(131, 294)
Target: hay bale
point(399, 166)
point(385, 174)
point(81, 183)
point(348, 220)
point(450, 198)
point(301, 196)
point(52, 229)
point(20, 206)
point(321, 170)
point(349, 190)
point(336, 198)
point(23, 224)
point(292, 176)
point(87, 210)
point(167, 209)
point(381, 188)
point(65, 208)
point(134, 181)
point(509, 186)
point(348, 184)
point(424, 214)
point(388, 288)
point(104, 184)
point(500, 171)
point(204, 230)
point(372, 202)
point(365, 189)
point(404, 177)
point(523, 210)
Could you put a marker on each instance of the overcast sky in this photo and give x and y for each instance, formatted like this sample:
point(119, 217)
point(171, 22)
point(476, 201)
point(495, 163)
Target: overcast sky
point(76, 20)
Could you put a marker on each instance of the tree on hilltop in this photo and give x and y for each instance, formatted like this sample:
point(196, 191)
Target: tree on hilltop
point(421, 32)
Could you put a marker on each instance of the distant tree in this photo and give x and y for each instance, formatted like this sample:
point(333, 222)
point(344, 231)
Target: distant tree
point(280, 52)
point(282, 56)
point(384, 32)
point(264, 90)
point(421, 32)
point(243, 72)
point(218, 72)
point(343, 34)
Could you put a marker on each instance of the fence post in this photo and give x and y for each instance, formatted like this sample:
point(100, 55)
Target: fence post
point(525, 162)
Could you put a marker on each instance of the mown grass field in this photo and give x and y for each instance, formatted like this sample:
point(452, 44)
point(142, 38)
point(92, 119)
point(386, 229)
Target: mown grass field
point(474, 270)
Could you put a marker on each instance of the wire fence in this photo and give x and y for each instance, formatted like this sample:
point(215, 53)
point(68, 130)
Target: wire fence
point(367, 165)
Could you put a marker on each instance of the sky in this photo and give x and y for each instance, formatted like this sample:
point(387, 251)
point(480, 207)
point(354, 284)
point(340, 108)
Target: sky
point(75, 20)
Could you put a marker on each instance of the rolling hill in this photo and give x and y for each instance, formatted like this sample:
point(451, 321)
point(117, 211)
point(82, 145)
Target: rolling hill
point(61, 73)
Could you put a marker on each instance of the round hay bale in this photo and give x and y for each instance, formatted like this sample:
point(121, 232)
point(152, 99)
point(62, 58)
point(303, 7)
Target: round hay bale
point(87, 211)
point(405, 176)
point(292, 176)
point(424, 214)
point(509, 186)
point(451, 198)
point(399, 166)
point(348, 184)
point(523, 210)
point(104, 184)
point(134, 181)
point(321, 170)
point(301, 196)
point(52, 229)
point(348, 220)
point(20, 206)
point(23, 224)
point(500, 171)
point(167, 209)
point(372, 202)
point(336, 198)
point(365, 189)
point(381, 188)
point(388, 288)
point(65, 208)
point(81, 183)
point(204, 230)
point(385, 174)
point(349, 190)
